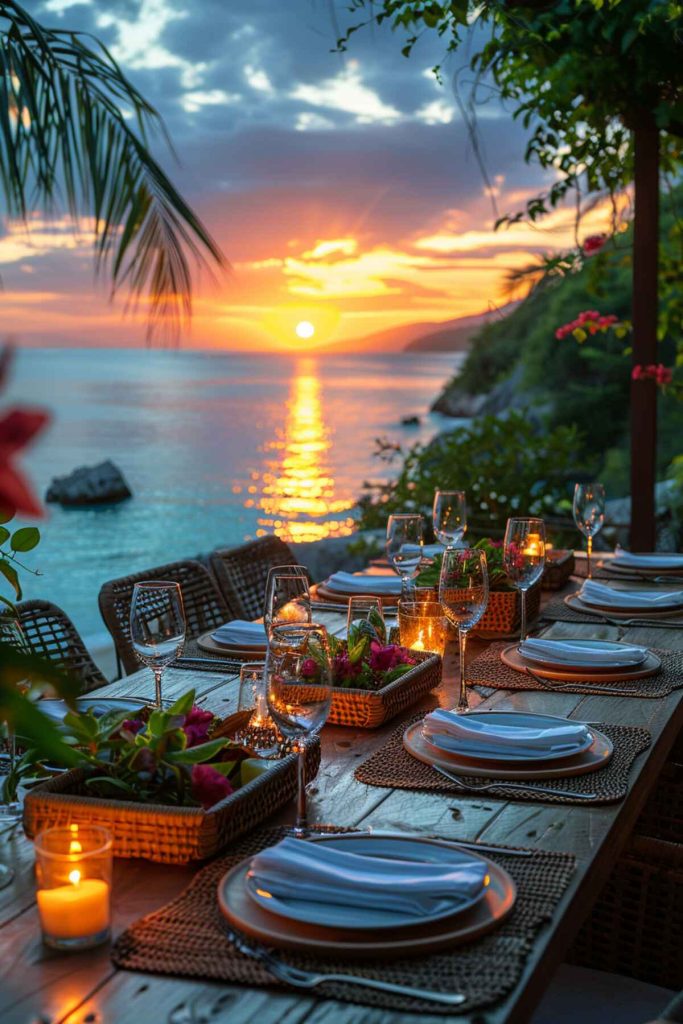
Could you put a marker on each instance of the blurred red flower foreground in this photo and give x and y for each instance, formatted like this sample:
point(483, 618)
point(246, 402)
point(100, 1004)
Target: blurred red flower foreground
point(17, 428)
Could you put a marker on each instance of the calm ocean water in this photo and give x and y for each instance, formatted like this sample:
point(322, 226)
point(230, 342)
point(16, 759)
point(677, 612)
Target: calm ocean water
point(215, 447)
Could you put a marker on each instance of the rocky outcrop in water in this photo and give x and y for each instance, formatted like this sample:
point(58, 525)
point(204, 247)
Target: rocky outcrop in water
point(103, 484)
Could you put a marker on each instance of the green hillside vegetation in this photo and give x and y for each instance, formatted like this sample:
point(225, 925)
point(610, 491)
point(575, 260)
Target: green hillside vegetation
point(587, 385)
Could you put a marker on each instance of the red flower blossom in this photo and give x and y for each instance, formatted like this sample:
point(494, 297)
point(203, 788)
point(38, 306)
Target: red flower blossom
point(209, 785)
point(593, 244)
point(17, 428)
point(309, 668)
point(590, 321)
point(196, 726)
point(657, 372)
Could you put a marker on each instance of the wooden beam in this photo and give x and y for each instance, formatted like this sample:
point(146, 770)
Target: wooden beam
point(644, 305)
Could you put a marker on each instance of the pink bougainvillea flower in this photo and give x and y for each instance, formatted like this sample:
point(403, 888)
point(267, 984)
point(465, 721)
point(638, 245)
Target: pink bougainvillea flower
point(658, 372)
point(196, 726)
point(209, 785)
point(17, 428)
point(593, 244)
point(133, 726)
point(590, 322)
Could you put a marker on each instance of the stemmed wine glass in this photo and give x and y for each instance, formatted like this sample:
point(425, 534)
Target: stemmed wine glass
point(449, 517)
point(404, 547)
point(157, 627)
point(299, 693)
point(287, 597)
point(463, 594)
point(524, 557)
point(589, 514)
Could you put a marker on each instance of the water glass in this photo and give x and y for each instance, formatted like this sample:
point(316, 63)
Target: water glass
point(404, 547)
point(589, 514)
point(463, 594)
point(524, 557)
point(449, 517)
point(361, 609)
point(287, 597)
point(259, 733)
point(157, 627)
point(299, 693)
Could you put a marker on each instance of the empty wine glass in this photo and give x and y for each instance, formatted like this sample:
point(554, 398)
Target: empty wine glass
point(449, 517)
point(524, 557)
point(299, 693)
point(287, 597)
point(463, 595)
point(361, 609)
point(157, 627)
point(259, 733)
point(404, 547)
point(589, 514)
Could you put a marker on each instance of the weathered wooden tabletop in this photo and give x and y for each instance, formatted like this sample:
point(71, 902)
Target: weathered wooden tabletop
point(43, 986)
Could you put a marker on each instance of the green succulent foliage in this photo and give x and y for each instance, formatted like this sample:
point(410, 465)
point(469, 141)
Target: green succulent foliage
point(508, 466)
point(498, 578)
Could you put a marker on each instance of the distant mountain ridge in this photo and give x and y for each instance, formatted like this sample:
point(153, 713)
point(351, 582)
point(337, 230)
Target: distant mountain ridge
point(427, 336)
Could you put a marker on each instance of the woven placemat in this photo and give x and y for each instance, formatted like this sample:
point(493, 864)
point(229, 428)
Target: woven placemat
point(392, 766)
point(193, 657)
point(488, 670)
point(188, 938)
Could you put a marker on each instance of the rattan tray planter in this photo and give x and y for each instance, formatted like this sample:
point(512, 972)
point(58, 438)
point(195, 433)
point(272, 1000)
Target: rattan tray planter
point(366, 709)
point(503, 611)
point(170, 835)
point(559, 566)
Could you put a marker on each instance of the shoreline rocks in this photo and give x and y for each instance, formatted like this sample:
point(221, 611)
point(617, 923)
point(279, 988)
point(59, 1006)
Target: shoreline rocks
point(103, 484)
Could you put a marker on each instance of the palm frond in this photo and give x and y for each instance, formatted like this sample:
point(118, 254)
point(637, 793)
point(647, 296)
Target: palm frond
point(74, 132)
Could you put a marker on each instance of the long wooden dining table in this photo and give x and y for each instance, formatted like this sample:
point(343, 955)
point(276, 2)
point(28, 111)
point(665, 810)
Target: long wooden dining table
point(39, 985)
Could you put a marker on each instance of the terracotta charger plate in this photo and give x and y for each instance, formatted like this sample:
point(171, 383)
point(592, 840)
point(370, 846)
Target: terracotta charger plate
point(595, 757)
point(244, 914)
point(636, 570)
point(511, 657)
point(574, 602)
point(388, 600)
point(206, 643)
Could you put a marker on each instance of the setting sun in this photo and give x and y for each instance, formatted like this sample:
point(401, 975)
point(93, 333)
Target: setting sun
point(304, 329)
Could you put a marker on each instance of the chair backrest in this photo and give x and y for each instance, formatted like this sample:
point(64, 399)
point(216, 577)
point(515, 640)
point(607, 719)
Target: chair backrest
point(205, 606)
point(242, 572)
point(51, 634)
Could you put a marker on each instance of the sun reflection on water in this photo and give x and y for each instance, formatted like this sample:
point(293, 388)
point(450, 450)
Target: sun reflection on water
point(297, 497)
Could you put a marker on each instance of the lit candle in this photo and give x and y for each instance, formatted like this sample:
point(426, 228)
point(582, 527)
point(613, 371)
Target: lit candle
point(534, 545)
point(418, 645)
point(73, 871)
point(75, 911)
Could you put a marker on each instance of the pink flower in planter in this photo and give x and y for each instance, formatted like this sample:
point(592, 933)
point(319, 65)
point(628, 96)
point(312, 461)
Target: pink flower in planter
point(309, 668)
point(209, 785)
point(196, 726)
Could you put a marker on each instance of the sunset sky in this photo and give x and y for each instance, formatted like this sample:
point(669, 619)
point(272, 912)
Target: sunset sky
point(341, 187)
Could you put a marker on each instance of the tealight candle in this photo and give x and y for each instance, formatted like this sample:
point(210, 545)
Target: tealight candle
point(422, 626)
point(534, 545)
point(73, 868)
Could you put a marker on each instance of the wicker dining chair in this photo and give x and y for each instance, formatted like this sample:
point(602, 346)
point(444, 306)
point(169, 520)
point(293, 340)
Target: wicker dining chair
point(51, 634)
point(205, 606)
point(241, 573)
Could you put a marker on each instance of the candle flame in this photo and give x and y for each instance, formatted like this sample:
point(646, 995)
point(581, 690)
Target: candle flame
point(419, 644)
point(74, 877)
point(75, 846)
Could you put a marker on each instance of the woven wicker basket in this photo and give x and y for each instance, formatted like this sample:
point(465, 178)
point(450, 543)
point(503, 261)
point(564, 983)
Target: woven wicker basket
point(170, 835)
point(504, 610)
point(365, 709)
point(558, 568)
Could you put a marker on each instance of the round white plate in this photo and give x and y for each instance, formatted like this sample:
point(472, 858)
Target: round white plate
point(565, 661)
point(575, 602)
point(520, 719)
point(337, 915)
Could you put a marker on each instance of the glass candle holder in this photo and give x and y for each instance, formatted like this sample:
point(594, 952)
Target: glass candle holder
point(257, 730)
point(73, 873)
point(422, 626)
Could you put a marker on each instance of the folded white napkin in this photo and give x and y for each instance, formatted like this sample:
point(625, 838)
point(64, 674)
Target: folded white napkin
point(598, 594)
point(592, 652)
point(465, 734)
point(665, 560)
point(349, 583)
point(240, 633)
point(313, 871)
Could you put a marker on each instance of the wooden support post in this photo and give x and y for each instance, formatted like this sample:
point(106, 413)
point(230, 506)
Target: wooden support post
point(644, 393)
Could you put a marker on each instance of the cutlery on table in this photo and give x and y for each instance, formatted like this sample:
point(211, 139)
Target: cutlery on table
point(558, 685)
point(526, 787)
point(456, 844)
point(310, 979)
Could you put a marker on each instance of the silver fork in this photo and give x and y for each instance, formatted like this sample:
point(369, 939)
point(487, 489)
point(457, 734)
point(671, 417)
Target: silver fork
point(549, 684)
point(310, 979)
point(523, 786)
